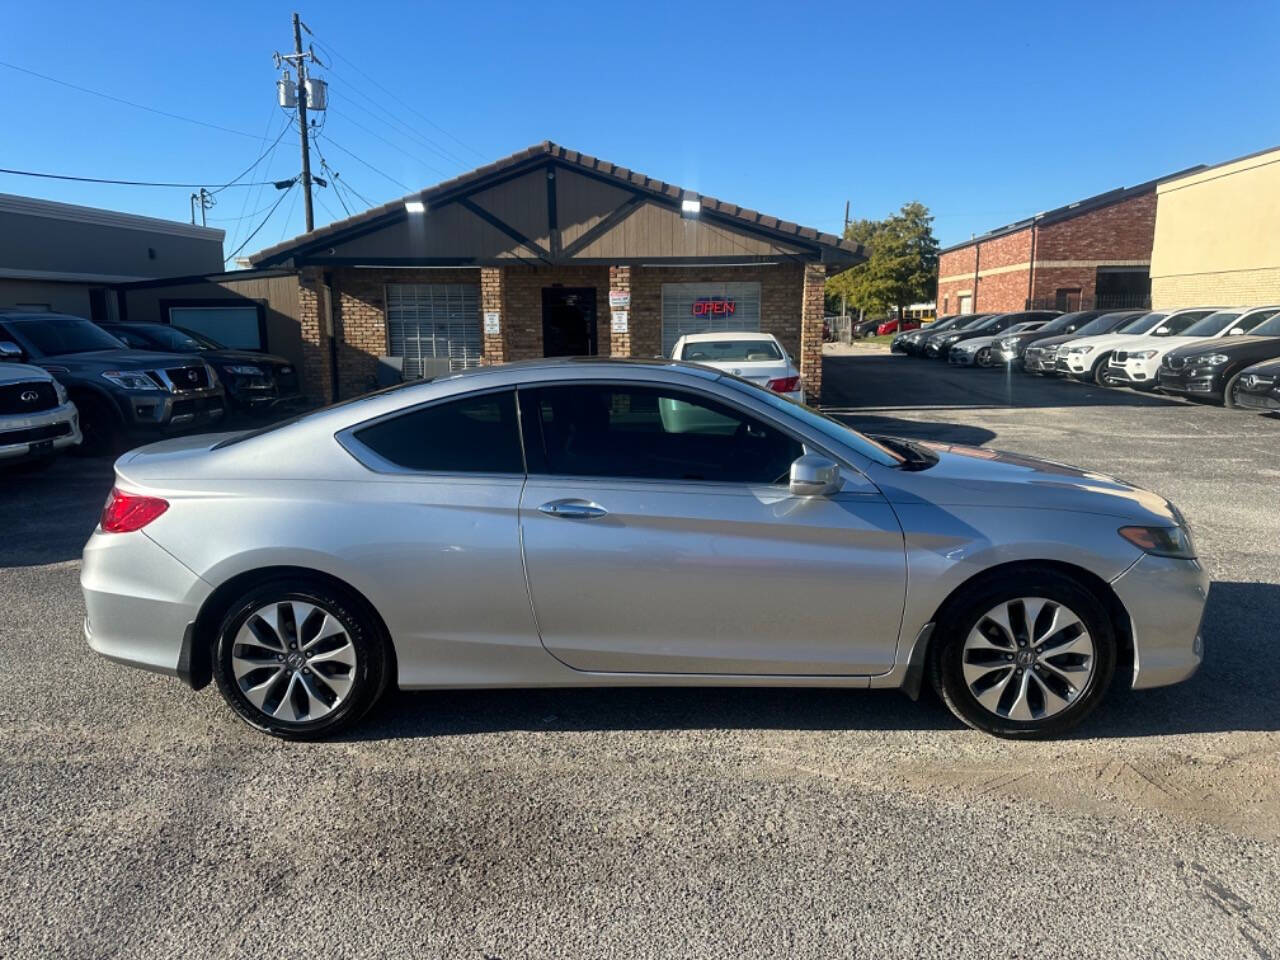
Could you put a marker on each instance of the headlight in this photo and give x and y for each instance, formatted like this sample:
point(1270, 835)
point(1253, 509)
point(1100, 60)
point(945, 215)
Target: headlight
point(245, 370)
point(951, 339)
point(130, 379)
point(60, 391)
point(1080, 350)
point(1215, 359)
point(1143, 354)
point(1161, 541)
point(1009, 343)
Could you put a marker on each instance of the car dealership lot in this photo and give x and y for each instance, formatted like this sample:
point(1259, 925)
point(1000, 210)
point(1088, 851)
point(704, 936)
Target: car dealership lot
point(141, 819)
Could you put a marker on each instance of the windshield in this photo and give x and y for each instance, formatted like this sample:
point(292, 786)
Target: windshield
point(1143, 323)
point(1103, 324)
point(1212, 324)
point(828, 427)
point(985, 323)
point(169, 338)
point(1062, 322)
point(731, 351)
point(53, 335)
point(973, 322)
point(1269, 329)
point(946, 324)
point(206, 343)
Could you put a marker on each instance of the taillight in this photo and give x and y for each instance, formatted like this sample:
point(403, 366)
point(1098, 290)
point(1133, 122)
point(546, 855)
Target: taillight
point(126, 512)
point(784, 384)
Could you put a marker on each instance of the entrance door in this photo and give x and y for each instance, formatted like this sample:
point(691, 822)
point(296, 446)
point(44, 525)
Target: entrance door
point(568, 321)
point(966, 303)
point(660, 537)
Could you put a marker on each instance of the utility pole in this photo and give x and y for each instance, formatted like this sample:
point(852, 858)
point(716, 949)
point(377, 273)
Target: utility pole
point(299, 58)
point(844, 299)
point(205, 199)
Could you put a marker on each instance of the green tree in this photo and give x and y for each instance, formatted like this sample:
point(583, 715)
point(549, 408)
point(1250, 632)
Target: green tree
point(903, 263)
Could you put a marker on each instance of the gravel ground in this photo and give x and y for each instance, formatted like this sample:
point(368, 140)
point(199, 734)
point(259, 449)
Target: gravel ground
point(140, 820)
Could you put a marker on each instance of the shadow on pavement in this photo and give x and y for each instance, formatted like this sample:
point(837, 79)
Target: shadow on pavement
point(1235, 690)
point(1236, 687)
point(48, 515)
point(885, 380)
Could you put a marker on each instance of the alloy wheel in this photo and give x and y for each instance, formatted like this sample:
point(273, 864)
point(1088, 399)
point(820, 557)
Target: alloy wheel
point(1028, 659)
point(294, 661)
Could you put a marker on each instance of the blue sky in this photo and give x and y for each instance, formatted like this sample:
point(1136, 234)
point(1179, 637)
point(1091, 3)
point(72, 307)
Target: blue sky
point(984, 112)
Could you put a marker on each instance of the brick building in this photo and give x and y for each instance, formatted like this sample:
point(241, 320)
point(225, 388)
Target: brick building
point(548, 252)
point(1092, 253)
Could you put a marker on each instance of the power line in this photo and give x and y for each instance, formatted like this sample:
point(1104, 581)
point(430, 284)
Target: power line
point(334, 53)
point(402, 186)
point(246, 216)
point(125, 183)
point(249, 169)
point(399, 126)
point(256, 229)
point(393, 146)
point(128, 103)
point(289, 215)
point(257, 195)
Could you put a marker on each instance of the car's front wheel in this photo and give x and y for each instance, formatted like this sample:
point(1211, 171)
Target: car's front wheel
point(1231, 393)
point(1027, 656)
point(300, 660)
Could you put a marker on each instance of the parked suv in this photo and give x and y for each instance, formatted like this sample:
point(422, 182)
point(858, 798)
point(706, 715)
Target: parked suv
point(37, 419)
point(120, 393)
point(1215, 369)
point(1258, 387)
point(254, 382)
point(1011, 348)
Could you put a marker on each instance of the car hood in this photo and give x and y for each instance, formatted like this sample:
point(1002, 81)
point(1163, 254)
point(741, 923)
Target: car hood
point(1051, 341)
point(977, 343)
point(100, 360)
point(1270, 368)
point(977, 476)
point(1237, 348)
point(1161, 344)
point(22, 373)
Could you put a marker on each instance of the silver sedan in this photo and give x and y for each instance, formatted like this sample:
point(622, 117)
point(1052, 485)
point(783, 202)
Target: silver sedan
point(593, 522)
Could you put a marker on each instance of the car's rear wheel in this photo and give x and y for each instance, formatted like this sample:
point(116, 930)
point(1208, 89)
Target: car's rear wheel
point(300, 660)
point(1026, 656)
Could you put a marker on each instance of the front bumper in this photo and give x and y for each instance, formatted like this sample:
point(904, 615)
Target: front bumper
point(39, 434)
point(1075, 364)
point(138, 601)
point(156, 410)
point(1266, 402)
point(1195, 384)
point(1165, 599)
point(1035, 360)
point(1140, 373)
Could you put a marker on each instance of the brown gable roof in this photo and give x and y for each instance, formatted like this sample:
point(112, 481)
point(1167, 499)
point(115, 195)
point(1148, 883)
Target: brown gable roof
point(847, 250)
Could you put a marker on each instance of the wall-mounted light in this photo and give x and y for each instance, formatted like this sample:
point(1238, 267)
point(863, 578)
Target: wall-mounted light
point(690, 206)
point(415, 206)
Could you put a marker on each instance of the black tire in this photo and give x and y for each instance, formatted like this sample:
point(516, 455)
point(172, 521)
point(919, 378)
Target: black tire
point(100, 426)
point(1100, 371)
point(371, 674)
point(1229, 392)
point(963, 614)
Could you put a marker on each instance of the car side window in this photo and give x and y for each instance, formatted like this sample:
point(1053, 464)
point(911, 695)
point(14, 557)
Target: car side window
point(649, 433)
point(476, 434)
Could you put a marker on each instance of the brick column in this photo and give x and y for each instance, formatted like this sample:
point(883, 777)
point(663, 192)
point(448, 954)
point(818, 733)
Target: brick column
point(491, 300)
point(315, 341)
point(813, 306)
point(619, 343)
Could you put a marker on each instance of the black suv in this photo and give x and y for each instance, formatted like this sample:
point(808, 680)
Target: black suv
point(1259, 387)
point(121, 393)
point(255, 382)
point(1213, 369)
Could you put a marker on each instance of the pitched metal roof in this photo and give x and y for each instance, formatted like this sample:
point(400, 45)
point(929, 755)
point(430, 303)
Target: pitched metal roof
point(535, 156)
point(1071, 210)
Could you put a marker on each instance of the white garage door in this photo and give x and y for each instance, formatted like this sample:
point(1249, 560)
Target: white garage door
point(434, 326)
point(706, 308)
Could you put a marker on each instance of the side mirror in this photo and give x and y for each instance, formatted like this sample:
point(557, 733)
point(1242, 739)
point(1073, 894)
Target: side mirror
point(1236, 332)
point(10, 350)
point(1160, 332)
point(814, 476)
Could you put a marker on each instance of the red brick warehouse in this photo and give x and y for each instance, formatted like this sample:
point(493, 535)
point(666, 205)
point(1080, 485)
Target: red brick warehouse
point(1091, 253)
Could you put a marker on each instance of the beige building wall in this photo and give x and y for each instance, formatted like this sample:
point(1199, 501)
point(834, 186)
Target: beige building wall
point(1217, 236)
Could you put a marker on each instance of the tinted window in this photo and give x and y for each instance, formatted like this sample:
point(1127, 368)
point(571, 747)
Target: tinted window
point(1143, 324)
point(471, 435)
point(649, 433)
point(747, 351)
point(1269, 329)
point(54, 335)
point(1103, 324)
point(160, 338)
point(1213, 323)
point(1178, 324)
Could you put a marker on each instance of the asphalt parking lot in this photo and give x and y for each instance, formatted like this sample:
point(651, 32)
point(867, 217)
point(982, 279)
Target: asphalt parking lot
point(139, 819)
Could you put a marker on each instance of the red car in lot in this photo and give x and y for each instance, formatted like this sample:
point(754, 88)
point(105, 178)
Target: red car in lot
point(895, 326)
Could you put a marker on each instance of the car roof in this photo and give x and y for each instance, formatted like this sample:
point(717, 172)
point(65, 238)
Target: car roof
point(727, 335)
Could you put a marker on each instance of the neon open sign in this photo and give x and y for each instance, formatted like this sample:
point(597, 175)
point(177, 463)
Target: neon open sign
point(714, 307)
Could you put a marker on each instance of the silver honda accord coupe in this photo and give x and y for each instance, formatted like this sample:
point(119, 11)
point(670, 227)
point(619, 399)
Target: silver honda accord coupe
point(593, 522)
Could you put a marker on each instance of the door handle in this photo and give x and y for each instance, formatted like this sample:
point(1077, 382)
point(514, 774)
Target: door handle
point(573, 509)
